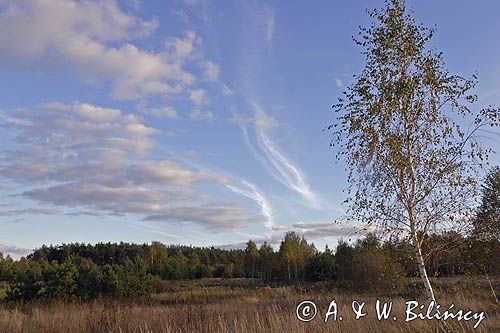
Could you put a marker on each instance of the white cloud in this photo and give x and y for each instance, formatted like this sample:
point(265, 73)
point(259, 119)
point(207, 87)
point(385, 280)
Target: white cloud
point(287, 173)
point(217, 217)
point(86, 111)
point(268, 15)
point(280, 227)
point(14, 251)
point(198, 115)
point(87, 158)
point(211, 71)
point(194, 2)
point(163, 172)
point(94, 38)
point(264, 121)
point(226, 91)
point(320, 230)
point(337, 228)
point(163, 112)
point(275, 161)
point(274, 241)
point(31, 211)
point(250, 191)
point(339, 83)
point(181, 15)
point(198, 97)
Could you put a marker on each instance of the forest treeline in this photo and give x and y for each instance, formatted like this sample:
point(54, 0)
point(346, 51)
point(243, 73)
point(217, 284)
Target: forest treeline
point(86, 271)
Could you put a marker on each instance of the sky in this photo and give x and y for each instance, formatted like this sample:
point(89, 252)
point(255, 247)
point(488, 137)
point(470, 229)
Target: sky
point(191, 122)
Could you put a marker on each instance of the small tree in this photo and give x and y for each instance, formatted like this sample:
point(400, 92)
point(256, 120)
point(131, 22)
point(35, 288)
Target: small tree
point(251, 257)
point(266, 255)
point(411, 166)
point(295, 252)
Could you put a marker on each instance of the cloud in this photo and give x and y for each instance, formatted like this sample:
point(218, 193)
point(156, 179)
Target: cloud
point(86, 158)
point(339, 83)
point(181, 15)
point(263, 121)
point(117, 200)
point(273, 159)
point(198, 96)
point(226, 91)
point(14, 251)
point(31, 211)
point(163, 172)
point(279, 227)
point(285, 171)
point(94, 38)
point(315, 230)
point(198, 115)
point(163, 112)
point(337, 228)
point(250, 191)
point(268, 15)
point(211, 71)
point(274, 240)
point(194, 2)
point(218, 218)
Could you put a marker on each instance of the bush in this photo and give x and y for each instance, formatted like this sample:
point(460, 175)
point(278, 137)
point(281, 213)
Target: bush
point(374, 271)
point(367, 267)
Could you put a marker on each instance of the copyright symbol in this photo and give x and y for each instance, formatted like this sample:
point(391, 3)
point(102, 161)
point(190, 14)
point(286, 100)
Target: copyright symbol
point(306, 311)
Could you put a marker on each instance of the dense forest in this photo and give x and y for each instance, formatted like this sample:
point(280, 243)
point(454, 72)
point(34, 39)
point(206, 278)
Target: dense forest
point(86, 271)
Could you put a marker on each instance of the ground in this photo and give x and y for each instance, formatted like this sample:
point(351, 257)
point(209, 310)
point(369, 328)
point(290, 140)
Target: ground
point(245, 306)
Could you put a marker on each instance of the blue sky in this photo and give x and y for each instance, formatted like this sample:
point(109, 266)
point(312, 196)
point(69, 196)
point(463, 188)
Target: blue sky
point(191, 122)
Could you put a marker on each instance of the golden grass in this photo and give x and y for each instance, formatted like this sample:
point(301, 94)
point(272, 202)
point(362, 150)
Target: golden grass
point(214, 308)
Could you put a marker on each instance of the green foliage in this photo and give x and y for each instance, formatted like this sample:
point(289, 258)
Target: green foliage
point(251, 258)
point(295, 252)
point(412, 167)
point(132, 271)
point(367, 266)
point(344, 256)
point(59, 280)
point(410, 163)
point(322, 266)
point(487, 219)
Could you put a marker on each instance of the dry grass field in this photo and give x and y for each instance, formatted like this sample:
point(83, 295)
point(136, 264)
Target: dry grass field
point(215, 306)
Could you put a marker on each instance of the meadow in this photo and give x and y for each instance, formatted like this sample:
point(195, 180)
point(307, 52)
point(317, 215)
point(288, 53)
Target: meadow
point(244, 305)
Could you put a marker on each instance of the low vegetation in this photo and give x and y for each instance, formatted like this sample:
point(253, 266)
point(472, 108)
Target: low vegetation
point(242, 305)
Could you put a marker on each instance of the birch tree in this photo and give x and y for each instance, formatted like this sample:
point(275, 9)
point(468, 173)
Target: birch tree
point(412, 166)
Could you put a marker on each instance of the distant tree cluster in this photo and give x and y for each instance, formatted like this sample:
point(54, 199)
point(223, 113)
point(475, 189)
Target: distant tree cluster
point(126, 270)
point(487, 219)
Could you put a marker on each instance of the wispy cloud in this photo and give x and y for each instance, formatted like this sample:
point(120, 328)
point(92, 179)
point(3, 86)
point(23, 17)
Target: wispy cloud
point(272, 158)
point(251, 191)
point(226, 90)
point(162, 112)
point(268, 16)
point(198, 115)
point(244, 188)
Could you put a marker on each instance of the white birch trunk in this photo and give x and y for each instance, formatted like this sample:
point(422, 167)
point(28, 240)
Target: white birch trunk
point(429, 292)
